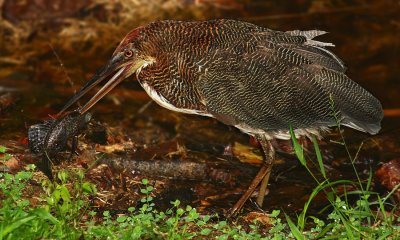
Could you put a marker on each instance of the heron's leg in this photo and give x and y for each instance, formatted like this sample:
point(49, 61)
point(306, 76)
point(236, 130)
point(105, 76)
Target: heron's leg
point(269, 157)
point(262, 175)
point(256, 181)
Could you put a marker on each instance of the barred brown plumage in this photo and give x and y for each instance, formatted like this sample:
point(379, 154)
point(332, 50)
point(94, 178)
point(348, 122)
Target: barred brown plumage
point(256, 79)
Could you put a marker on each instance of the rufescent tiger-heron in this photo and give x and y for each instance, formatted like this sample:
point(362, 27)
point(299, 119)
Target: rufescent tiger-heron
point(256, 79)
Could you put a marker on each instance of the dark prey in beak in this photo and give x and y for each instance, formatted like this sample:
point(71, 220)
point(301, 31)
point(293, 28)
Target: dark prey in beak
point(50, 138)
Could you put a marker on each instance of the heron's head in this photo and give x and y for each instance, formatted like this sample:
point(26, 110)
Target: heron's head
point(126, 60)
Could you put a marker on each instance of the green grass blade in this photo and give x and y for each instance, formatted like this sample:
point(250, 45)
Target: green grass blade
point(369, 182)
point(301, 220)
point(319, 157)
point(298, 149)
point(326, 184)
point(295, 231)
point(43, 214)
point(347, 226)
point(325, 230)
point(16, 225)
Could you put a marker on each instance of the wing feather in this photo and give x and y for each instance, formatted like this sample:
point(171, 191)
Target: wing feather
point(282, 78)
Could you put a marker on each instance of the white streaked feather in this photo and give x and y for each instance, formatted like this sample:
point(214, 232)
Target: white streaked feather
point(309, 35)
point(282, 134)
point(163, 102)
point(354, 126)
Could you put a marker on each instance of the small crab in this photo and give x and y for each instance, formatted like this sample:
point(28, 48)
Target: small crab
point(51, 137)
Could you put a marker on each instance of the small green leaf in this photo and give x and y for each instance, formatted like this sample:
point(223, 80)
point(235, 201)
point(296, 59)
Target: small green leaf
point(222, 224)
point(50, 201)
point(145, 181)
point(274, 213)
point(144, 191)
point(180, 211)
point(3, 149)
point(62, 175)
point(176, 203)
point(92, 213)
point(106, 213)
point(205, 231)
point(64, 193)
point(88, 187)
point(121, 219)
point(131, 209)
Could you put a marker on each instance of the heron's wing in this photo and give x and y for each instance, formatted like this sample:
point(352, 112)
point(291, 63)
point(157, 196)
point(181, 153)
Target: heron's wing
point(301, 45)
point(293, 45)
point(272, 81)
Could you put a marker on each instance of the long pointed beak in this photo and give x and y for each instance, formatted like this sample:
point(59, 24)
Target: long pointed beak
point(114, 81)
point(101, 75)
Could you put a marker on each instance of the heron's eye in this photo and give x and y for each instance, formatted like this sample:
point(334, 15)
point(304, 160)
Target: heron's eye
point(128, 53)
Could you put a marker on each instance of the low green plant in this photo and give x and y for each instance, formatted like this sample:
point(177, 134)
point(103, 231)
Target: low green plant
point(146, 222)
point(68, 200)
point(365, 218)
point(17, 219)
point(56, 217)
point(5, 156)
point(64, 212)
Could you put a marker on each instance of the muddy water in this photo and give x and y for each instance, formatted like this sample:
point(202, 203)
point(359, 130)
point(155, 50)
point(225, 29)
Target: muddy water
point(195, 159)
